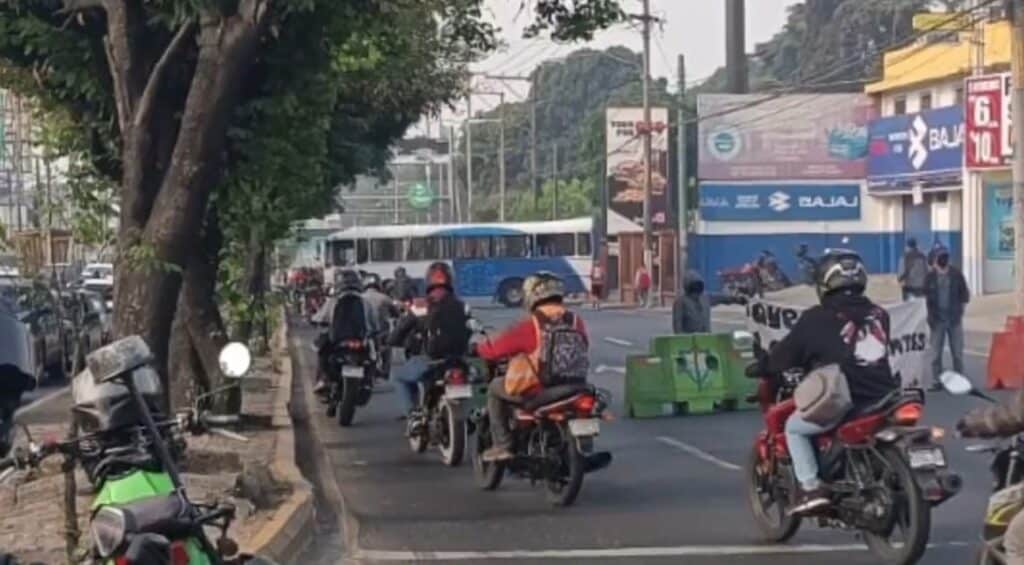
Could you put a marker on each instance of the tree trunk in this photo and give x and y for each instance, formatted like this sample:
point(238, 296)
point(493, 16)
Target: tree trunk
point(255, 275)
point(188, 380)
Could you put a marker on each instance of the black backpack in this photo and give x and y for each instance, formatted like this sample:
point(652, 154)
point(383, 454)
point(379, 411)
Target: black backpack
point(446, 332)
point(563, 351)
point(349, 318)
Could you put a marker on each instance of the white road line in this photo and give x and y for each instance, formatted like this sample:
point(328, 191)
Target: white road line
point(620, 342)
point(40, 401)
point(614, 553)
point(699, 454)
point(606, 369)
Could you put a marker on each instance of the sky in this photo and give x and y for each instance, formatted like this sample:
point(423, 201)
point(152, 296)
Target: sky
point(694, 28)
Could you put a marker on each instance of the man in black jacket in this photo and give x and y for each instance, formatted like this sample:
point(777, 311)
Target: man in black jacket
point(691, 311)
point(848, 330)
point(947, 296)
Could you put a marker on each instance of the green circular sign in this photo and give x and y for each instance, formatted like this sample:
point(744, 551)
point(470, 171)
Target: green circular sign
point(420, 196)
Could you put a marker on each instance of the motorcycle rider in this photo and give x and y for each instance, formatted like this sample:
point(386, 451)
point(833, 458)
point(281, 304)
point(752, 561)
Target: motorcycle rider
point(445, 335)
point(1001, 420)
point(404, 288)
point(385, 310)
point(846, 329)
point(341, 316)
point(543, 298)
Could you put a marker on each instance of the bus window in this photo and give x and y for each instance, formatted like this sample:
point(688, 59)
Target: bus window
point(511, 246)
point(343, 253)
point(583, 245)
point(424, 249)
point(472, 247)
point(445, 248)
point(556, 245)
point(386, 250)
point(362, 252)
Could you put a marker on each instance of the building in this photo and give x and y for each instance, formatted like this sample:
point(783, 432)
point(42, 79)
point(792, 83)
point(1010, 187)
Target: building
point(918, 145)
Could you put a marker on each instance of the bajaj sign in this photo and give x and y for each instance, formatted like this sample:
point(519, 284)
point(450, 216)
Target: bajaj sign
point(915, 147)
point(741, 202)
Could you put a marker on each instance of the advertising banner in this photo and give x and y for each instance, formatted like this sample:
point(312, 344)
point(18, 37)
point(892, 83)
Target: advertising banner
point(769, 137)
point(987, 117)
point(734, 202)
point(625, 165)
point(918, 146)
point(908, 333)
point(999, 240)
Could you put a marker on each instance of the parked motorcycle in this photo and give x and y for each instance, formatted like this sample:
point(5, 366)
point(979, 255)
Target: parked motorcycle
point(553, 437)
point(884, 472)
point(351, 370)
point(806, 264)
point(141, 513)
point(754, 278)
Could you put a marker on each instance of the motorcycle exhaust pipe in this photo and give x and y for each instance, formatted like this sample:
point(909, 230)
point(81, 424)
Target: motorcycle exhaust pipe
point(943, 487)
point(597, 461)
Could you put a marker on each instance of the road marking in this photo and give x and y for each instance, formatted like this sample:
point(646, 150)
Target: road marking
point(606, 369)
point(620, 342)
point(616, 552)
point(699, 454)
point(40, 401)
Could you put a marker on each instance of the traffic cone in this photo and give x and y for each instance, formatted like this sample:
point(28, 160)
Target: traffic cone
point(1006, 356)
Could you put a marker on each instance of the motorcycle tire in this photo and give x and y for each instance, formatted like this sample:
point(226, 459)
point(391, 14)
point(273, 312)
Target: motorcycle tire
point(773, 529)
point(563, 488)
point(454, 446)
point(488, 474)
point(917, 510)
point(347, 403)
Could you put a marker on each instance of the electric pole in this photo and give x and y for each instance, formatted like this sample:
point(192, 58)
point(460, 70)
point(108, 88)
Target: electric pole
point(1017, 112)
point(735, 46)
point(683, 177)
point(501, 161)
point(469, 157)
point(647, 131)
point(554, 179)
point(533, 138)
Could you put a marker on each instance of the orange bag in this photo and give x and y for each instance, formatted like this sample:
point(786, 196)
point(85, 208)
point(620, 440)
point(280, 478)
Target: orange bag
point(521, 376)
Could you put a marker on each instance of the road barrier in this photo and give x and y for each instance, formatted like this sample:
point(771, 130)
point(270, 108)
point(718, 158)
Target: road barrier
point(690, 374)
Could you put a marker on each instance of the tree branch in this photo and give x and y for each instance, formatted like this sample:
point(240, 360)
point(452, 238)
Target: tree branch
point(71, 6)
point(153, 84)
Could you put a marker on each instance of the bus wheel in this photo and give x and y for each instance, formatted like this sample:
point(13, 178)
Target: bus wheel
point(510, 293)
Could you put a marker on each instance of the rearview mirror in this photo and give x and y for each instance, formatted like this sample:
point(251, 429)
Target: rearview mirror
point(955, 383)
point(742, 340)
point(235, 360)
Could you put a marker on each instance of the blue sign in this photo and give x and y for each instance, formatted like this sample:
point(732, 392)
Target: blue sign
point(732, 202)
point(916, 147)
point(999, 240)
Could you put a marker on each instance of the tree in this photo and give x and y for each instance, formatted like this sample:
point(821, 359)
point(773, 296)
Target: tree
point(575, 198)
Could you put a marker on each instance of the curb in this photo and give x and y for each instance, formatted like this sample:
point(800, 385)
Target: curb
point(292, 526)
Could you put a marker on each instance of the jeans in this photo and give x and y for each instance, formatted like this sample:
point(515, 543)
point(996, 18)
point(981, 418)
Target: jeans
point(955, 332)
point(1013, 540)
point(408, 378)
point(499, 411)
point(799, 433)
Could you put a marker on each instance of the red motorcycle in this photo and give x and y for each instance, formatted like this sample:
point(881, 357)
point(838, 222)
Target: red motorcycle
point(884, 473)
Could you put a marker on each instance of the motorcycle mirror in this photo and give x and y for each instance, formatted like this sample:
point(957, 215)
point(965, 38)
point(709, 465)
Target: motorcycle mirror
point(955, 383)
point(742, 340)
point(235, 360)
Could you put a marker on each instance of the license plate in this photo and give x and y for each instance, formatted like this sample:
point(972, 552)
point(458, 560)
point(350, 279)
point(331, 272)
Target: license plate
point(583, 428)
point(353, 372)
point(458, 391)
point(927, 457)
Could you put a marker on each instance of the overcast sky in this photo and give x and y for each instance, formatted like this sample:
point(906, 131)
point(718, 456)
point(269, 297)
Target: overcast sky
point(694, 28)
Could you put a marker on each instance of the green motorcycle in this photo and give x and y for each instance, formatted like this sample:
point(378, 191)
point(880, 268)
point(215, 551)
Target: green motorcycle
point(141, 513)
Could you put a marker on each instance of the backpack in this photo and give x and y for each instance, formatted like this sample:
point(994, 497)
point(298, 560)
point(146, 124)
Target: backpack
point(917, 271)
point(446, 333)
point(349, 318)
point(562, 351)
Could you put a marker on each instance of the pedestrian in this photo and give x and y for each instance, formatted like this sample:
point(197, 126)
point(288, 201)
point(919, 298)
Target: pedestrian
point(596, 285)
point(642, 283)
point(947, 296)
point(913, 271)
point(691, 311)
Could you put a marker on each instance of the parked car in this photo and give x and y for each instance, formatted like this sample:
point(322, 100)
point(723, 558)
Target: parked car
point(83, 320)
point(49, 346)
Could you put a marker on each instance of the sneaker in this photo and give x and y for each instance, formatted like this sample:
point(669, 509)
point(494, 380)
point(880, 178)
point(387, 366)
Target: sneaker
point(496, 454)
point(809, 500)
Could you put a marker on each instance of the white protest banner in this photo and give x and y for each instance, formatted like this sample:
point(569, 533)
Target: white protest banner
point(908, 333)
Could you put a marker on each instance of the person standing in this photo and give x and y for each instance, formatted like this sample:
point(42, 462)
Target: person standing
point(596, 285)
point(642, 283)
point(913, 271)
point(947, 296)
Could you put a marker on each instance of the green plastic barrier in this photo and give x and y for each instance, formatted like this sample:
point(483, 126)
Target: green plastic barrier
point(740, 386)
point(699, 365)
point(650, 389)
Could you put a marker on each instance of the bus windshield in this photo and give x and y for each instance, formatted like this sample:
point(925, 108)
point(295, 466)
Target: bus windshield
point(343, 253)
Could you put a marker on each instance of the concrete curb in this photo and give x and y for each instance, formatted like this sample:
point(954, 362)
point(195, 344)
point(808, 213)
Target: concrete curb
point(292, 527)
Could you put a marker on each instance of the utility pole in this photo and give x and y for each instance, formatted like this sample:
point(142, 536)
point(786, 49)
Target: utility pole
point(554, 179)
point(1017, 112)
point(469, 157)
point(683, 179)
point(735, 46)
point(533, 139)
point(501, 160)
point(647, 131)
point(454, 215)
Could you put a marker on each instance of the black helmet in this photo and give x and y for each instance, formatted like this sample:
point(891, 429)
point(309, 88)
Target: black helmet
point(440, 274)
point(371, 280)
point(841, 270)
point(399, 272)
point(348, 279)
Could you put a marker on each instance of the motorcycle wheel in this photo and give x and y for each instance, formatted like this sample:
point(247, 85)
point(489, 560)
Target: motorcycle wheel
point(564, 487)
point(453, 446)
point(419, 442)
point(768, 509)
point(913, 513)
point(488, 474)
point(349, 400)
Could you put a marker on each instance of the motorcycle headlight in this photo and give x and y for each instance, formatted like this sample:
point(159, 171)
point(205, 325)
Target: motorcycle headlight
point(108, 529)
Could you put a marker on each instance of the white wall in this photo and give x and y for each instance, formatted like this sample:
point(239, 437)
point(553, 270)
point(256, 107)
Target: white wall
point(943, 94)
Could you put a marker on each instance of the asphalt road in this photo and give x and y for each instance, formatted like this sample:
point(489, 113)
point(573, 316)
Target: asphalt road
point(673, 493)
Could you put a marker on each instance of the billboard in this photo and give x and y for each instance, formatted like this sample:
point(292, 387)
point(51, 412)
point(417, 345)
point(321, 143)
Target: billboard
point(778, 202)
point(625, 165)
point(915, 147)
point(998, 217)
point(771, 137)
point(988, 122)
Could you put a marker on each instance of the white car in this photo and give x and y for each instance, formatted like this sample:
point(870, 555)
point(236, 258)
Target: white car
point(98, 271)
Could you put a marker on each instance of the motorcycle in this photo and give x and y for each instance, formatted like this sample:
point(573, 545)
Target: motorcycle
point(439, 419)
point(351, 369)
point(553, 436)
point(754, 278)
point(141, 512)
point(884, 473)
point(1007, 467)
point(807, 265)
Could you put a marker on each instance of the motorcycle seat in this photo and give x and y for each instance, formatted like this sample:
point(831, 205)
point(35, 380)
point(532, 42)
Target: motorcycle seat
point(889, 401)
point(161, 514)
point(554, 394)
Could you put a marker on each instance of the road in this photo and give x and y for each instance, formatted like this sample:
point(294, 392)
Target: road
point(673, 493)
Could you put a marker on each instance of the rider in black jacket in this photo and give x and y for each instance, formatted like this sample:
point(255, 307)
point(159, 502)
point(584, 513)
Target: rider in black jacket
point(846, 329)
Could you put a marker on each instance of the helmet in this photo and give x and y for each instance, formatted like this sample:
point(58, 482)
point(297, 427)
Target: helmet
point(440, 274)
point(399, 272)
point(841, 270)
point(540, 288)
point(371, 280)
point(348, 279)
